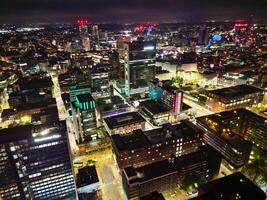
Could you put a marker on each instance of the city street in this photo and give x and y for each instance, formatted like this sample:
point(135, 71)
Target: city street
point(196, 108)
point(57, 95)
point(108, 174)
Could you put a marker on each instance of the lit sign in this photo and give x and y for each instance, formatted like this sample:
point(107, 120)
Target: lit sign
point(149, 48)
point(46, 138)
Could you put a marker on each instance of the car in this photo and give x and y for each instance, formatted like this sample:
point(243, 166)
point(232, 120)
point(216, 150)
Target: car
point(224, 173)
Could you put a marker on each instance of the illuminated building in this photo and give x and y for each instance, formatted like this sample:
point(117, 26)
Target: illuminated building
point(141, 181)
point(203, 164)
point(35, 163)
point(235, 186)
point(164, 175)
point(100, 82)
point(124, 123)
point(244, 123)
point(233, 97)
point(86, 43)
point(139, 66)
point(121, 42)
point(83, 31)
point(95, 33)
point(169, 95)
point(77, 90)
point(84, 117)
point(221, 133)
point(144, 147)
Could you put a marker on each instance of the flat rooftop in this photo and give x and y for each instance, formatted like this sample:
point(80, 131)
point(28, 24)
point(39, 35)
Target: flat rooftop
point(140, 139)
point(218, 124)
point(228, 187)
point(149, 172)
point(124, 120)
point(235, 91)
point(153, 107)
point(87, 176)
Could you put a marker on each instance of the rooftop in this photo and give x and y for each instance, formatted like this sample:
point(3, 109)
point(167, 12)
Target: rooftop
point(139, 139)
point(124, 119)
point(235, 91)
point(229, 187)
point(148, 172)
point(86, 176)
point(153, 107)
point(220, 125)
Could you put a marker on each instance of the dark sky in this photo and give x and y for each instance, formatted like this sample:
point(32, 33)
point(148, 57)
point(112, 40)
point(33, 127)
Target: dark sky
point(129, 10)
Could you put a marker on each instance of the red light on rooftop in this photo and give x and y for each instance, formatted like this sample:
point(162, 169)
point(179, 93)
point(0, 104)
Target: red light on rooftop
point(82, 22)
point(240, 25)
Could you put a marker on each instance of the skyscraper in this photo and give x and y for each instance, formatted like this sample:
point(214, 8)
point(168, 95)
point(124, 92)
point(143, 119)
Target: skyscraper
point(139, 66)
point(35, 163)
point(83, 31)
point(84, 117)
point(95, 33)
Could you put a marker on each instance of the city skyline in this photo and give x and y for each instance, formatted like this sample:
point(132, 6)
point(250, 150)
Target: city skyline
point(119, 11)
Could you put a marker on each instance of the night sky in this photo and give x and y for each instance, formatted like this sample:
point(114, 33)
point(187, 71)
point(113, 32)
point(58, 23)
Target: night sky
point(129, 10)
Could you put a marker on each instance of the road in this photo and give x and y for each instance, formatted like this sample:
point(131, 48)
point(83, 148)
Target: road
point(57, 95)
point(108, 174)
point(196, 108)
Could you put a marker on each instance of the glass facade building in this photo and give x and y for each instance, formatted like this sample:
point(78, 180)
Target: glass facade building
point(139, 66)
point(35, 163)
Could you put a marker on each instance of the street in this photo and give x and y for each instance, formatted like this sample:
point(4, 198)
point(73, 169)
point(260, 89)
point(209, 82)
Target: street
point(108, 174)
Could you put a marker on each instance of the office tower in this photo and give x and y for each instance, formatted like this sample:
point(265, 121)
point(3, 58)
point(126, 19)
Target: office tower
point(121, 42)
point(35, 163)
point(203, 38)
point(86, 43)
point(83, 31)
point(84, 117)
point(139, 66)
point(95, 33)
point(100, 82)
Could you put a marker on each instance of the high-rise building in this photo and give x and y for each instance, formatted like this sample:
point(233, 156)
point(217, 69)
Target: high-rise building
point(83, 31)
point(84, 117)
point(121, 42)
point(35, 163)
point(86, 43)
point(95, 33)
point(139, 66)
